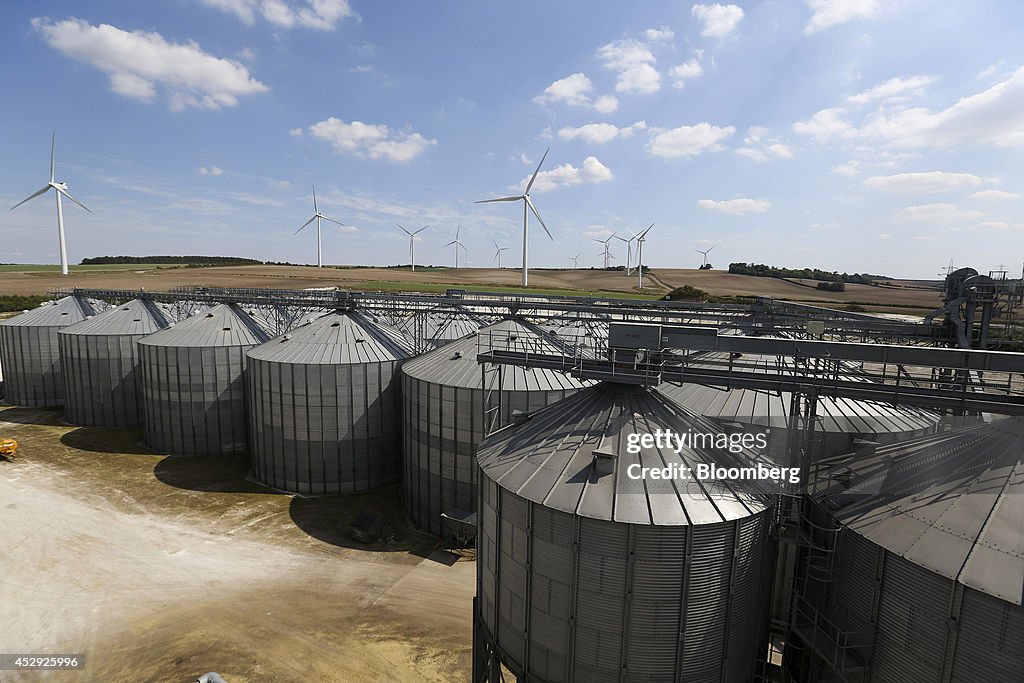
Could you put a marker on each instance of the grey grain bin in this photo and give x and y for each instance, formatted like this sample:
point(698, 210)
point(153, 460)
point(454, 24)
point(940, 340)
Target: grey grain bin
point(927, 573)
point(100, 361)
point(29, 352)
point(587, 575)
point(444, 396)
point(193, 386)
point(324, 404)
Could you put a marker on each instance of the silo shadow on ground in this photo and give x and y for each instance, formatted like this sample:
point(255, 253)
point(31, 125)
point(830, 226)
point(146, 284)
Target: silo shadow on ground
point(126, 440)
point(29, 415)
point(210, 473)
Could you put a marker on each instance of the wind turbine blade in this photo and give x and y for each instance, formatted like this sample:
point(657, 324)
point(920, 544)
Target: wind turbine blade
point(315, 210)
point(499, 199)
point(712, 248)
point(534, 210)
point(304, 225)
point(31, 196)
point(410, 234)
point(644, 233)
point(331, 220)
point(53, 144)
point(495, 244)
point(451, 243)
point(420, 230)
point(68, 195)
point(457, 230)
point(534, 176)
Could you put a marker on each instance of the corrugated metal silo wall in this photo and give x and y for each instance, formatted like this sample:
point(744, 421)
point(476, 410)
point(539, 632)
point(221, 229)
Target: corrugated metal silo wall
point(325, 428)
point(567, 598)
point(194, 398)
point(102, 379)
point(442, 427)
point(928, 628)
point(31, 361)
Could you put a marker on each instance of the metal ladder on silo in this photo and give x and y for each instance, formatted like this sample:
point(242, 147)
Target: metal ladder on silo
point(492, 383)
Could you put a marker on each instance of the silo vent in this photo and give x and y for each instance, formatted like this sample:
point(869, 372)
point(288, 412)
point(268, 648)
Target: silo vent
point(604, 461)
point(209, 315)
point(458, 355)
point(64, 313)
point(226, 329)
point(360, 340)
point(286, 337)
point(335, 324)
point(520, 416)
point(135, 320)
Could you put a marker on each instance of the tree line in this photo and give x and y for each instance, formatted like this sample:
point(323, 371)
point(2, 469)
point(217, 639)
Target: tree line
point(762, 270)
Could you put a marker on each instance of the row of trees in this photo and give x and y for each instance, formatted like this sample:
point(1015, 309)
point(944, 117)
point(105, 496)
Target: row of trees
point(174, 260)
point(762, 270)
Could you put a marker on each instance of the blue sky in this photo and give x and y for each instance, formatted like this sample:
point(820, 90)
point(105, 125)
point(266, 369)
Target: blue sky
point(860, 135)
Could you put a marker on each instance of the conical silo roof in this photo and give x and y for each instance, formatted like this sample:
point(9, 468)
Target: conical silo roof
point(59, 313)
point(952, 503)
point(441, 325)
point(222, 325)
point(455, 364)
point(335, 339)
point(549, 460)
point(137, 317)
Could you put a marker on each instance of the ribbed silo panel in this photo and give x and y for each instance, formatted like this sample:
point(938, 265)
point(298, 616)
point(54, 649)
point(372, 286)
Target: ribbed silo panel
point(708, 601)
point(990, 640)
point(600, 598)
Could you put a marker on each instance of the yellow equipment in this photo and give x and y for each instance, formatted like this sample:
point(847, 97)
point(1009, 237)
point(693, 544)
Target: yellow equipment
point(8, 448)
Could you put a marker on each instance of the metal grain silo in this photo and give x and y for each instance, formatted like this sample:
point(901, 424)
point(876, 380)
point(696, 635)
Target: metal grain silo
point(585, 574)
point(192, 382)
point(925, 581)
point(324, 405)
point(447, 398)
point(29, 352)
point(100, 361)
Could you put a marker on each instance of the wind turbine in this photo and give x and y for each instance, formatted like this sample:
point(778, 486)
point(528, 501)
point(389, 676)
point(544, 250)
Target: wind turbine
point(629, 250)
point(576, 260)
point(607, 254)
point(412, 243)
point(58, 189)
point(457, 244)
point(317, 216)
point(527, 206)
point(640, 256)
point(497, 253)
point(705, 254)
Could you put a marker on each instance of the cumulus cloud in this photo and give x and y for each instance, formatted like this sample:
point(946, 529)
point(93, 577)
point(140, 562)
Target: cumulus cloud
point(373, 141)
point(937, 213)
point(322, 15)
point(718, 20)
point(659, 34)
point(634, 62)
point(894, 87)
point(295, 132)
point(735, 207)
point(828, 13)
point(211, 170)
point(566, 175)
point(140, 62)
point(761, 148)
point(577, 89)
point(929, 182)
point(687, 141)
point(600, 133)
point(824, 125)
point(994, 194)
point(682, 72)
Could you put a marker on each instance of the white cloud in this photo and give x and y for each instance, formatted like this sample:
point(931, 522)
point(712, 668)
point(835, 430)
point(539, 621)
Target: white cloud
point(937, 213)
point(828, 13)
point(994, 117)
point(994, 194)
point(929, 182)
point(322, 15)
point(824, 125)
point(687, 141)
point(893, 87)
point(212, 170)
point(718, 20)
point(997, 225)
point(600, 133)
point(760, 149)
point(681, 72)
point(634, 62)
point(846, 169)
point(566, 175)
point(363, 69)
point(374, 141)
point(735, 207)
point(884, 236)
point(295, 132)
point(576, 89)
point(658, 34)
point(137, 62)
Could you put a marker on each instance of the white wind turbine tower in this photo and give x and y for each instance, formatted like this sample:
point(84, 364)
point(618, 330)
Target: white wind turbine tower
point(58, 189)
point(607, 254)
point(412, 243)
point(497, 253)
point(458, 244)
point(317, 216)
point(629, 250)
point(527, 207)
point(576, 260)
point(705, 253)
point(640, 239)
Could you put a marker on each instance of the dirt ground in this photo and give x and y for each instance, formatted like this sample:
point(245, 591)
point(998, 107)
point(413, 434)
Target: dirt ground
point(163, 568)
